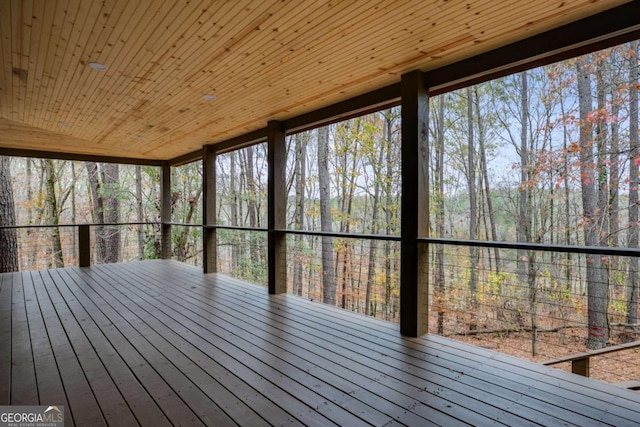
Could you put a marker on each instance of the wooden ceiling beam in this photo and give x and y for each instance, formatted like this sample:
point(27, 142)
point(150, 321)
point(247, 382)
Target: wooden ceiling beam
point(609, 28)
point(385, 97)
point(17, 152)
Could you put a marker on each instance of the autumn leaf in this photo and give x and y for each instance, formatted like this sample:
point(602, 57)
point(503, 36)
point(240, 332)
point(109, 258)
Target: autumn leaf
point(573, 148)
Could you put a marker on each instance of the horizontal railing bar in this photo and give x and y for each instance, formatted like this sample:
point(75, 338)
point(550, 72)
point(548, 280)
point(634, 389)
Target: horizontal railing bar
point(578, 356)
point(76, 225)
point(182, 224)
point(234, 227)
point(589, 250)
point(342, 235)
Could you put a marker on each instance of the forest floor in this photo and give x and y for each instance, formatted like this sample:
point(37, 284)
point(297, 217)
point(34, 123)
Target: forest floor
point(611, 367)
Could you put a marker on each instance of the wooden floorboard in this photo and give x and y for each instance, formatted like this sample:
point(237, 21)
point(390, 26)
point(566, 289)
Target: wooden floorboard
point(293, 376)
point(5, 337)
point(143, 407)
point(158, 343)
point(180, 374)
point(330, 357)
point(148, 373)
point(50, 386)
point(82, 401)
point(289, 394)
point(371, 364)
point(514, 369)
point(24, 388)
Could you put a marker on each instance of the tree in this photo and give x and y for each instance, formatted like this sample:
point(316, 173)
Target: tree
point(482, 136)
point(52, 212)
point(300, 179)
point(440, 195)
point(634, 184)
point(524, 213)
point(8, 236)
point(597, 292)
point(473, 206)
point(139, 211)
point(328, 277)
point(376, 164)
point(104, 184)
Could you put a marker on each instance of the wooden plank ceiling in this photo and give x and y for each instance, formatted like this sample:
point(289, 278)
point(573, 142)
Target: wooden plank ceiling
point(259, 60)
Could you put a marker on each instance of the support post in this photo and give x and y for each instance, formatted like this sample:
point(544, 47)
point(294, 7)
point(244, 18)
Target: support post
point(84, 245)
point(165, 211)
point(580, 366)
point(415, 205)
point(277, 208)
point(209, 248)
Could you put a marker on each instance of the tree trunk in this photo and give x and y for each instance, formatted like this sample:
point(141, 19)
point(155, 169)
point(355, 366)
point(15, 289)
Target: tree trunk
point(373, 244)
point(31, 257)
point(328, 277)
point(597, 294)
point(439, 185)
point(74, 211)
point(567, 196)
point(487, 186)
point(233, 188)
point(300, 178)
point(8, 236)
point(634, 156)
point(523, 213)
point(614, 181)
point(252, 191)
point(181, 240)
point(111, 181)
point(473, 208)
point(52, 213)
point(345, 226)
point(139, 212)
point(103, 181)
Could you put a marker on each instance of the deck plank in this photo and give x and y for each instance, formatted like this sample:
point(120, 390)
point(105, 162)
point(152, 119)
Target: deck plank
point(385, 334)
point(82, 402)
point(408, 403)
point(175, 409)
point(291, 376)
point(368, 366)
point(250, 368)
point(160, 343)
point(6, 293)
point(101, 296)
point(24, 388)
point(113, 406)
point(50, 387)
point(142, 405)
point(491, 369)
point(203, 410)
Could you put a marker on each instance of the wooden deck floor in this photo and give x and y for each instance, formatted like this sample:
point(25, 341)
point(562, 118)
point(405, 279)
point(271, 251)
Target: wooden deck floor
point(158, 343)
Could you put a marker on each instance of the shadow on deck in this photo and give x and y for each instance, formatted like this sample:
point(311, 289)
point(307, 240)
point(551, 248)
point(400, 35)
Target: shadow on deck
point(159, 343)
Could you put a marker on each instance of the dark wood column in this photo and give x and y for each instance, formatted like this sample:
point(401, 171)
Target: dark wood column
point(84, 245)
point(165, 210)
point(415, 205)
point(277, 205)
point(209, 249)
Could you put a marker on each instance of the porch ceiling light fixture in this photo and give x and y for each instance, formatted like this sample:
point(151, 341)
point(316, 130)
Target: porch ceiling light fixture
point(97, 66)
point(65, 124)
point(209, 97)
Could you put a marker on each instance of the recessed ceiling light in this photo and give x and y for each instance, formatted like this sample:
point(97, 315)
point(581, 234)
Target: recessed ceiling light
point(97, 66)
point(65, 124)
point(142, 137)
point(208, 97)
